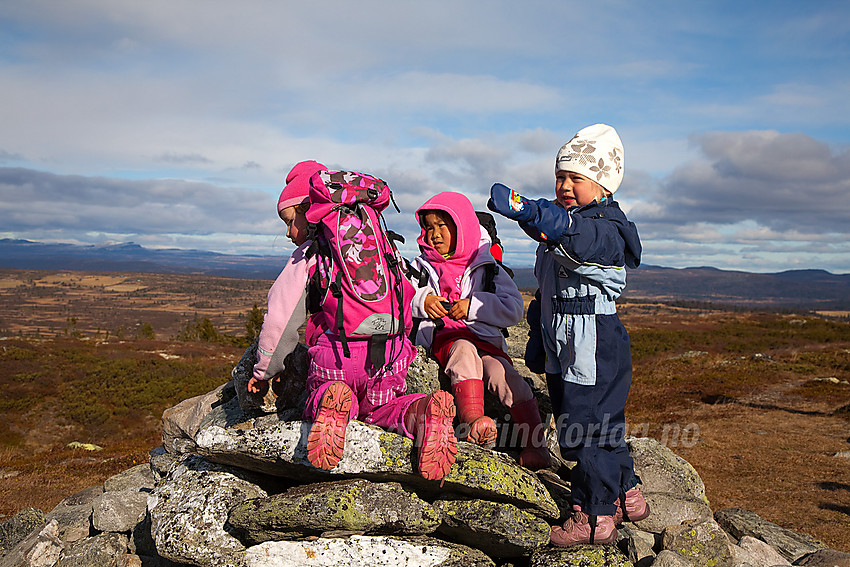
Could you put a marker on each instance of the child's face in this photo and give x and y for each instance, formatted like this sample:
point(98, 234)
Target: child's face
point(296, 224)
point(440, 232)
point(575, 190)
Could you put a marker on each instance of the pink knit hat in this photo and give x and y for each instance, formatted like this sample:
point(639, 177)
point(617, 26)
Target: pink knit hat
point(298, 184)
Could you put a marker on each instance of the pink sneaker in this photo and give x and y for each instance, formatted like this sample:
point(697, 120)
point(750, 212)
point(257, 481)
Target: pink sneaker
point(579, 529)
point(327, 435)
point(637, 508)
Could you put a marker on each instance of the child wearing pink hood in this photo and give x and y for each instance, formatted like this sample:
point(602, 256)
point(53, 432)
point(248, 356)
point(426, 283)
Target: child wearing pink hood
point(343, 386)
point(462, 324)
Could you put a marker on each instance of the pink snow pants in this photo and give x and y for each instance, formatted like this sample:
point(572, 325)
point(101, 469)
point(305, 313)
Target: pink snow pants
point(379, 397)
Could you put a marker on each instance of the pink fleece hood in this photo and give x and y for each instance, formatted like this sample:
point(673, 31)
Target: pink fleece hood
point(298, 184)
point(468, 242)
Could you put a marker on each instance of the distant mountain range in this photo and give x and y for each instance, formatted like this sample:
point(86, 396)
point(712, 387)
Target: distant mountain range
point(807, 289)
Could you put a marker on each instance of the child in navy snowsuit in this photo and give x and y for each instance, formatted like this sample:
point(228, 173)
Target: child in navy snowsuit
point(586, 244)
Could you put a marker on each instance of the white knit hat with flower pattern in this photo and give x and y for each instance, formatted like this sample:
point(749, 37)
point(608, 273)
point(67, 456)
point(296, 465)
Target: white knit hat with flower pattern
point(595, 152)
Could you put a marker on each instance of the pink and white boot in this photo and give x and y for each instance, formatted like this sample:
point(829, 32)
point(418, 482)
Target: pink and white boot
point(631, 507)
point(581, 528)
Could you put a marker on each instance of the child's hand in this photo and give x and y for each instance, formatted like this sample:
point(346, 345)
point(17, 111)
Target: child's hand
point(256, 386)
point(434, 307)
point(509, 203)
point(460, 309)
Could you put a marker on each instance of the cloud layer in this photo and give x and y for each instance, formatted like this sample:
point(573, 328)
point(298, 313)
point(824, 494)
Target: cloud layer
point(174, 124)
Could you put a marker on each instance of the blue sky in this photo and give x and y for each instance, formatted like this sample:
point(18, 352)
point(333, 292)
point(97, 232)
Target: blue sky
point(173, 123)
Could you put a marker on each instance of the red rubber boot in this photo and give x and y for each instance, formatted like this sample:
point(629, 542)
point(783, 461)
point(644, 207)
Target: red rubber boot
point(535, 452)
point(469, 397)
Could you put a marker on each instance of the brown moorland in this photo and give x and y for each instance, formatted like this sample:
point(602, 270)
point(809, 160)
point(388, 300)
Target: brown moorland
point(756, 402)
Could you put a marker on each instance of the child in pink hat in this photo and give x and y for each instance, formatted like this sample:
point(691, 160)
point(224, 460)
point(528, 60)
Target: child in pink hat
point(343, 386)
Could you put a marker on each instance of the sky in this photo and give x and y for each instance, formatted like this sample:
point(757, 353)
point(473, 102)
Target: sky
point(173, 123)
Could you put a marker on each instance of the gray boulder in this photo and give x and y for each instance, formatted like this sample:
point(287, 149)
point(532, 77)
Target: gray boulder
point(73, 514)
point(702, 543)
point(790, 544)
point(180, 423)
point(501, 529)
point(102, 550)
point(662, 470)
point(119, 510)
point(140, 477)
point(161, 461)
point(189, 510)
point(345, 507)
point(365, 551)
point(672, 510)
point(423, 374)
point(638, 545)
point(761, 554)
point(667, 558)
point(825, 558)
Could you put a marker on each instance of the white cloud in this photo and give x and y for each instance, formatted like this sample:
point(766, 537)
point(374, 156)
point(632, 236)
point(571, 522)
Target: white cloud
point(736, 136)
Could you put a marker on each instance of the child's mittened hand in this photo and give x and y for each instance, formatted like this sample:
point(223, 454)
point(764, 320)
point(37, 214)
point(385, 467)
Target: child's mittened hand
point(509, 203)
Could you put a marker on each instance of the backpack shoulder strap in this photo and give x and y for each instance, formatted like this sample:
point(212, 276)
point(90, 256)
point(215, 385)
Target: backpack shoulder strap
point(490, 271)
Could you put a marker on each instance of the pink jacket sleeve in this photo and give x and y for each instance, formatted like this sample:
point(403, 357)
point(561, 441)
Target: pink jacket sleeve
point(287, 311)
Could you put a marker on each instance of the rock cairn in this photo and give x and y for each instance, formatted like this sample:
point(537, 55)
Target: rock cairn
point(231, 486)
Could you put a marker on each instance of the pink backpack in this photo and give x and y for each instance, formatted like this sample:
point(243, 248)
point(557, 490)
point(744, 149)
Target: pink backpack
point(357, 291)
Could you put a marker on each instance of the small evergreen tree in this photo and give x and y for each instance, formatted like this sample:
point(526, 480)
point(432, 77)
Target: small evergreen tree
point(254, 323)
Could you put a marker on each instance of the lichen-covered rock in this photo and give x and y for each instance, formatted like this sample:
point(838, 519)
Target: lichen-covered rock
point(189, 510)
point(18, 527)
point(702, 543)
point(73, 514)
point(486, 474)
point(580, 556)
point(671, 510)
point(279, 448)
point(119, 511)
point(503, 530)
point(349, 507)
point(662, 470)
point(288, 393)
point(790, 544)
point(365, 551)
point(41, 548)
point(102, 550)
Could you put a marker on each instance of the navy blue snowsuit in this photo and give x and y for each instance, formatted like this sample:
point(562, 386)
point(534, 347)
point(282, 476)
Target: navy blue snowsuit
point(581, 270)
